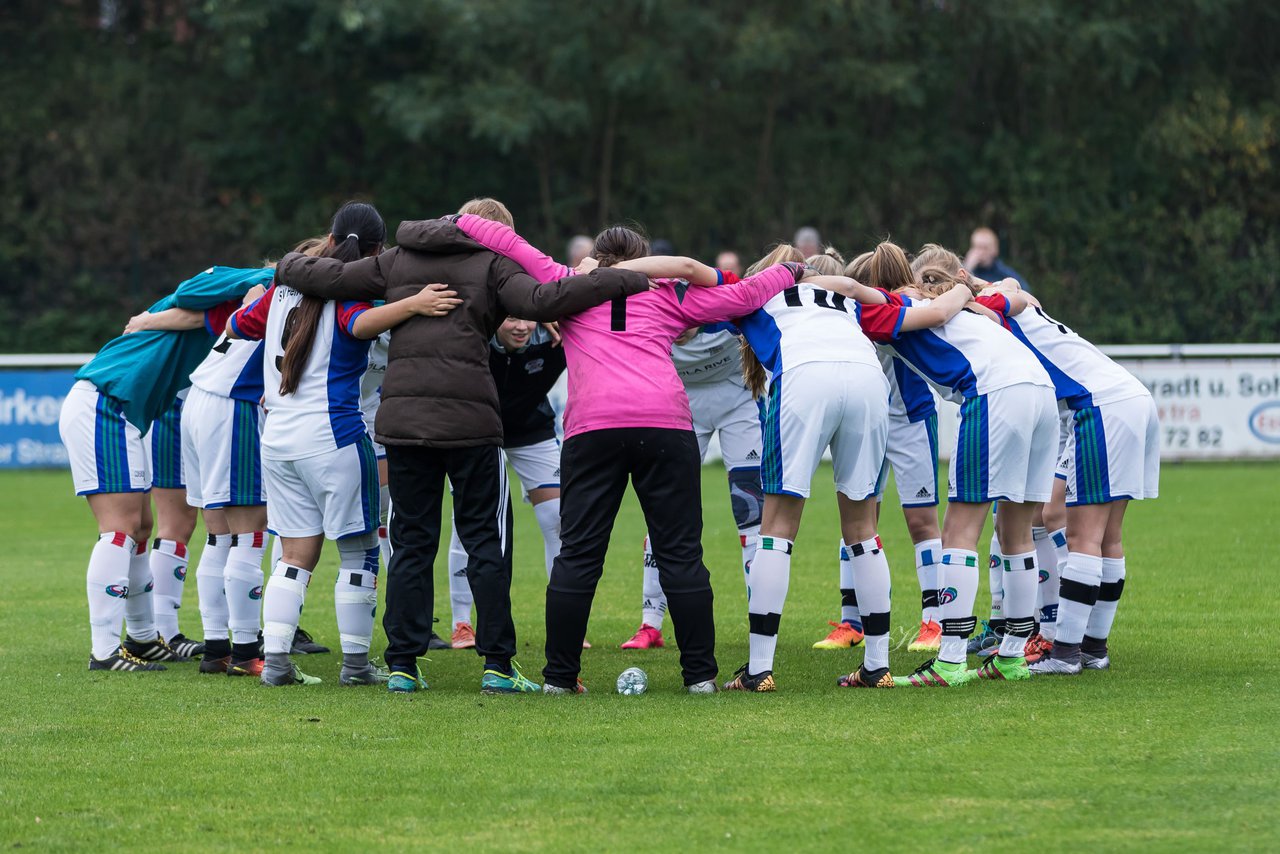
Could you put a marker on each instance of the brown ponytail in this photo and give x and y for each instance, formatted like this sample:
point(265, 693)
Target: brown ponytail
point(357, 231)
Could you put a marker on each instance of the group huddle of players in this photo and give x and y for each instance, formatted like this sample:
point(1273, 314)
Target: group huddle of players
point(255, 403)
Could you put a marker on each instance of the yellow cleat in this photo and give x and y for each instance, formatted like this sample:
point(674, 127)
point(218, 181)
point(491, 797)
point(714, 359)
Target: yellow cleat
point(843, 636)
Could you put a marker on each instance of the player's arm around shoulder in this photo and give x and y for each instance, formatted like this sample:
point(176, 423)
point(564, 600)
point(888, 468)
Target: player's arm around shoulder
point(434, 300)
point(938, 311)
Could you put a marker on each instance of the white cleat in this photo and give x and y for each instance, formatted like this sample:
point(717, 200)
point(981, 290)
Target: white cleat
point(1095, 662)
point(707, 687)
point(1054, 666)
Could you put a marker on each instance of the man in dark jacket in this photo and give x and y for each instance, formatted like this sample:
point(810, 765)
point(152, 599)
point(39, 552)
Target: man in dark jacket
point(440, 417)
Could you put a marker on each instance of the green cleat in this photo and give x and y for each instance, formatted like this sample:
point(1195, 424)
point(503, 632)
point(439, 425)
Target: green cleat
point(403, 682)
point(936, 674)
point(998, 667)
point(294, 677)
point(497, 682)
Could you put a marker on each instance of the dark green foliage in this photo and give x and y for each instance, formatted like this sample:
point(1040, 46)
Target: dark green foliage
point(1126, 153)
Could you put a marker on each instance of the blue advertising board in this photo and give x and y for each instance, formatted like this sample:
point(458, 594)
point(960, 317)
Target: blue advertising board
point(29, 406)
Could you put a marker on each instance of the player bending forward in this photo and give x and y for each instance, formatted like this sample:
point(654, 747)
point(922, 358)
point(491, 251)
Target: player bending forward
point(811, 355)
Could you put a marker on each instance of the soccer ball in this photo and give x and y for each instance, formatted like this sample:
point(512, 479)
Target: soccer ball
point(632, 681)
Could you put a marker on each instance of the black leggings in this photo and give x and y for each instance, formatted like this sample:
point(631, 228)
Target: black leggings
point(665, 468)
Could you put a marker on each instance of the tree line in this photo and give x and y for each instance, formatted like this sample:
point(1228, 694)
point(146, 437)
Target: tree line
point(1124, 152)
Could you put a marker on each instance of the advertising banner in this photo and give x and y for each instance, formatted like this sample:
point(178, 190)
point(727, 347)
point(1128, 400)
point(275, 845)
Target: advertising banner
point(29, 406)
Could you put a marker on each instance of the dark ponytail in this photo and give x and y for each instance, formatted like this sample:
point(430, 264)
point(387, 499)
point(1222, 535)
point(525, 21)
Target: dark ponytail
point(358, 231)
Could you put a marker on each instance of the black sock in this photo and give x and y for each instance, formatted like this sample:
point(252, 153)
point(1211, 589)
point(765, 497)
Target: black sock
point(1096, 647)
point(245, 651)
point(997, 625)
point(502, 666)
point(217, 648)
point(1065, 652)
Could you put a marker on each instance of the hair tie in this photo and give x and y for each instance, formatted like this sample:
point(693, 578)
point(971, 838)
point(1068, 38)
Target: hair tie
point(356, 236)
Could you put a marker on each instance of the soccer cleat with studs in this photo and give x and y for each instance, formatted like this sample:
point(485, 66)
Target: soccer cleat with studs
point(557, 691)
point(1091, 661)
point(1037, 648)
point(153, 650)
point(304, 644)
point(464, 637)
point(758, 683)
point(370, 674)
point(215, 664)
point(936, 674)
point(986, 642)
point(123, 660)
point(185, 646)
point(246, 667)
point(294, 677)
point(998, 668)
point(929, 639)
point(864, 678)
point(1050, 666)
point(646, 637)
point(707, 686)
point(843, 636)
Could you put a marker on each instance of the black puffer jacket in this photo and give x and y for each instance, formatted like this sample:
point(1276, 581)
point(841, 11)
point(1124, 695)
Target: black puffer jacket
point(438, 391)
point(523, 378)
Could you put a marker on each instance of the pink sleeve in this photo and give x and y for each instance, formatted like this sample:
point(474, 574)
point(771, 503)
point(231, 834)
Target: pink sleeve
point(503, 239)
point(727, 302)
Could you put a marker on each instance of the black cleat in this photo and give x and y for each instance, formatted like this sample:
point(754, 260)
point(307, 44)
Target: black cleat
point(754, 682)
point(185, 646)
point(152, 650)
point(438, 642)
point(122, 659)
point(304, 645)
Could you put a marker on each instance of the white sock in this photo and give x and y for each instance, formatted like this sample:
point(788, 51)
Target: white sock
point(107, 584)
point(1081, 578)
point(282, 607)
point(277, 551)
point(1047, 588)
point(1021, 578)
point(460, 598)
point(749, 538)
point(548, 515)
point(928, 554)
point(871, 580)
point(766, 593)
point(355, 593)
point(243, 583)
point(139, 610)
point(995, 579)
point(168, 572)
point(957, 590)
point(654, 607)
point(209, 587)
point(384, 539)
point(849, 611)
point(1104, 610)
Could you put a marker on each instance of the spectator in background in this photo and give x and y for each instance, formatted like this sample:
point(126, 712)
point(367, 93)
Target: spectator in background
point(808, 241)
point(729, 262)
point(983, 258)
point(580, 246)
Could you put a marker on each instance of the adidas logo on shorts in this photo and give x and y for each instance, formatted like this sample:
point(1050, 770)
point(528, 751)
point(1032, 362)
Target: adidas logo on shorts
point(753, 455)
point(923, 493)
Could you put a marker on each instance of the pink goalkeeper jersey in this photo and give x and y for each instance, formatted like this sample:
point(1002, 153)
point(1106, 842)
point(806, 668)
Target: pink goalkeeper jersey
point(619, 353)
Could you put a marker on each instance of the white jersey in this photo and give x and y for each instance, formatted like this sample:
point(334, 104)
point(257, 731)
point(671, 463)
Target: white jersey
point(323, 413)
point(232, 369)
point(1082, 376)
point(968, 356)
point(709, 357)
point(806, 324)
point(371, 382)
point(910, 398)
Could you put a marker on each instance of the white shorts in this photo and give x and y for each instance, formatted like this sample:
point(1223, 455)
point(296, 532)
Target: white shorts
point(107, 453)
point(537, 465)
point(816, 405)
point(1006, 448)
point(221, 451)
point(1114, 453)
point(334, 493)
point(913, 454)
point(729, 408)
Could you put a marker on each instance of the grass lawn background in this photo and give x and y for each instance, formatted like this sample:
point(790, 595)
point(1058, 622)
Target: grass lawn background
point(1175, 748)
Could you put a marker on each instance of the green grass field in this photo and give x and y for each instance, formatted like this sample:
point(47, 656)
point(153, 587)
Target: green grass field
point(1174, 749)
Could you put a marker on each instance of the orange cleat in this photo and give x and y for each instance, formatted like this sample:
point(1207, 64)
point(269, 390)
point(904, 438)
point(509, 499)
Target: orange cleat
point(464, 637)
point(252, 667)
point(843, 636)
point(929, 639)
point(1037, 648)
